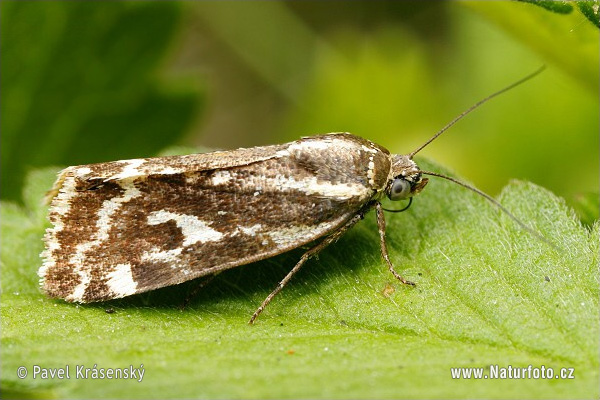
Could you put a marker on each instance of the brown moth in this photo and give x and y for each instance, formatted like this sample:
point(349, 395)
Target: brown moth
point(126, 227)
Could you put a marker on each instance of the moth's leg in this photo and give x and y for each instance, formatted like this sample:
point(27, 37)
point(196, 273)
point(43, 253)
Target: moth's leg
point(311, 252)
point(203, 281)
point(384, 253)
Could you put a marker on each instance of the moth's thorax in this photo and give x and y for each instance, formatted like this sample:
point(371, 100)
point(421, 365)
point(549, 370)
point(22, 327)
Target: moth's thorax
point(345, 159)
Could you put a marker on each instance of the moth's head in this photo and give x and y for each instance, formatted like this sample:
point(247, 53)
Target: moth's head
point(405, 179)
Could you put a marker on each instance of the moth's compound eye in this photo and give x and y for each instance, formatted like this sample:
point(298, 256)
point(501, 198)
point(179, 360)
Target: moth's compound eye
point(400, 189)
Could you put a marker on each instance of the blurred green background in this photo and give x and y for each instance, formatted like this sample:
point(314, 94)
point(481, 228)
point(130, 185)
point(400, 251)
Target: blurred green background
point(92, 82)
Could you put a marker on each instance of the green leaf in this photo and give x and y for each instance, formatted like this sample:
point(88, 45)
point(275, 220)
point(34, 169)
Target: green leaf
point(487, 293)
point(591, 10)
point(80, 84)
point(587, 206)
point(557, 6)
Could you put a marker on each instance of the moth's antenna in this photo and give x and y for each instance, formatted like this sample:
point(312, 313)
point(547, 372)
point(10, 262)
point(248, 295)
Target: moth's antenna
point(496, 203)
point(474, 106)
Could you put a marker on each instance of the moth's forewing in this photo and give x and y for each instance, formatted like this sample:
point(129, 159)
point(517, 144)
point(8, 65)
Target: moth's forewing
point(127, 227)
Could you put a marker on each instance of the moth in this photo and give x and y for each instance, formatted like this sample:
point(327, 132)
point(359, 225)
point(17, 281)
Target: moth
point(126, 227)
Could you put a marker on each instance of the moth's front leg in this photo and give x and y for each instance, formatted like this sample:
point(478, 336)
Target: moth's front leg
point(384, 252)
